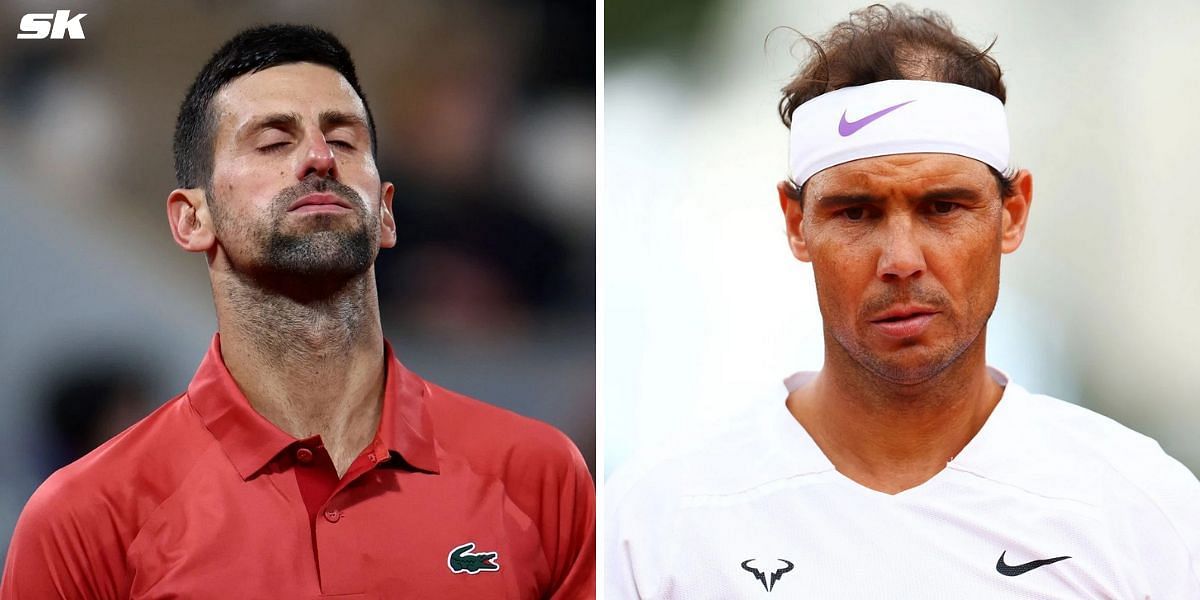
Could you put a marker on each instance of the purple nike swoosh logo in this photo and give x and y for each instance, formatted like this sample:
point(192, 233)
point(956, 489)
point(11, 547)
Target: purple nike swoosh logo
point(847, 128)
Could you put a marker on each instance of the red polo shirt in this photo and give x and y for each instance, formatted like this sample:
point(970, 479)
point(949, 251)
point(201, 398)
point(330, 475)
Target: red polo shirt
point(205, 498)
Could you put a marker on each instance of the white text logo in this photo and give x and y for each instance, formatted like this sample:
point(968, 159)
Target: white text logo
point(39, 26)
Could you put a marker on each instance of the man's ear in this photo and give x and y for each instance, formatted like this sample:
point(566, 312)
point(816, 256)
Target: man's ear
point(793, 215)
point(387, 220)
point(191, 223)
point(1016, 212)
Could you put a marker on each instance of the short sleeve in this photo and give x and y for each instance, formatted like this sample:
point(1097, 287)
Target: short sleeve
point(549, 479)
point(618, 566)
point(1167, 537)
point(61, 549)
point(574, 564)
point(636, 533)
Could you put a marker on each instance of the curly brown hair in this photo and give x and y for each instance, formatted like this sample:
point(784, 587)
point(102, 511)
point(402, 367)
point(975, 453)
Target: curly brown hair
point(879, 43)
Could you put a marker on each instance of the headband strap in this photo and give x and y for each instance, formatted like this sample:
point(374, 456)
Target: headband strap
point(897, 117)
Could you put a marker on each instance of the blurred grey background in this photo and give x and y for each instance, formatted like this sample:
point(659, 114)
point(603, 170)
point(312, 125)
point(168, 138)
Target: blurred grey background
point(704, 311)
point(486, 119)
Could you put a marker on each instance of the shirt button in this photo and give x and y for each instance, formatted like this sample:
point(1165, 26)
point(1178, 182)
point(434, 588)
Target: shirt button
point(304, 455)
point(371, 457)
point(333, 516)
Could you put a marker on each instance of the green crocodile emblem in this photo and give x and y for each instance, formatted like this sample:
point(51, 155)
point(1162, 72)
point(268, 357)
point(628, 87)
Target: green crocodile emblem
point(462, 560)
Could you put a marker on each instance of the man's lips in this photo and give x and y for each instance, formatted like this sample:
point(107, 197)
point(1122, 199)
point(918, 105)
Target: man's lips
point(319, 203)
point(903, 321)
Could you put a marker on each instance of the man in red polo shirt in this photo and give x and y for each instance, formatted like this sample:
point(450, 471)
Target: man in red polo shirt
point(303, 461)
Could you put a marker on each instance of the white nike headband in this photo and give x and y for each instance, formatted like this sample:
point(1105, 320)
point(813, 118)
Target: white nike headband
point(897, 117)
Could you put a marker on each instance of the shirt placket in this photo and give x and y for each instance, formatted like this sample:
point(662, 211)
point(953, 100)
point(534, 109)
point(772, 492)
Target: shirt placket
point(336, 526)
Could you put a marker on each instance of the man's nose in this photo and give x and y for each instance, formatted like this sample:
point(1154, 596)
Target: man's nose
point(318, 159)
point(901, 256)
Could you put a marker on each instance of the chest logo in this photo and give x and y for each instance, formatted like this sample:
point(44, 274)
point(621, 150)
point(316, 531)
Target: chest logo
point(463, 560)
point(1014, 570)
point(762, 577)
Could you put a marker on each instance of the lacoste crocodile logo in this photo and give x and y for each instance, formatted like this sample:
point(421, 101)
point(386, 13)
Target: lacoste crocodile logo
point(849, 128)
point(776, 575)
point(1014, 570)
point(462, 560)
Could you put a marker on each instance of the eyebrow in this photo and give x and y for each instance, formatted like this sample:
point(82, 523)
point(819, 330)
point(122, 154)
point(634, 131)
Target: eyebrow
point(950, 193)
point(337, 118)
point(270, 121)
point(836, 201)
point(328, 120)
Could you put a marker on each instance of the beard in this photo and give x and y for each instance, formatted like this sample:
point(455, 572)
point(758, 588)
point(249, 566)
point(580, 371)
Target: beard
point(321, 251)
point(325, 254)
point(900, 366)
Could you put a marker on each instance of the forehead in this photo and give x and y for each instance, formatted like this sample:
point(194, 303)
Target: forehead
point(900, 172)
point(303, 88)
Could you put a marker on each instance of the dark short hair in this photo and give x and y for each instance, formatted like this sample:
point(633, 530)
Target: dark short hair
point(878, 43)
point(250, 51)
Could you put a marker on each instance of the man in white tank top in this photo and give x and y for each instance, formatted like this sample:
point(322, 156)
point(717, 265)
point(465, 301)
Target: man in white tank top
point(907, 467)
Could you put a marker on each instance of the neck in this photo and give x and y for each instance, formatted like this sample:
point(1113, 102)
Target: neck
point(889, 436)
point(312, 366)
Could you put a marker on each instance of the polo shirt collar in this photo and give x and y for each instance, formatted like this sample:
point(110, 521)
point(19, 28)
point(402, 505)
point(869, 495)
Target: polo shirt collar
point(251, 441)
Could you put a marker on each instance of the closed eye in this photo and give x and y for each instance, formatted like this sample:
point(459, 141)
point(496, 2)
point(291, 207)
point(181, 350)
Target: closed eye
point(273, 147)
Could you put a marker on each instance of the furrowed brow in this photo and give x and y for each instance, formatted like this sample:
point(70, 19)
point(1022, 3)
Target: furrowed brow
point(953, 193)
point(837, 201)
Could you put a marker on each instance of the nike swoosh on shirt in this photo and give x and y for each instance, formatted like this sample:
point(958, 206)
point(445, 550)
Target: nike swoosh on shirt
point(1014, 570)
point(848, 128)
